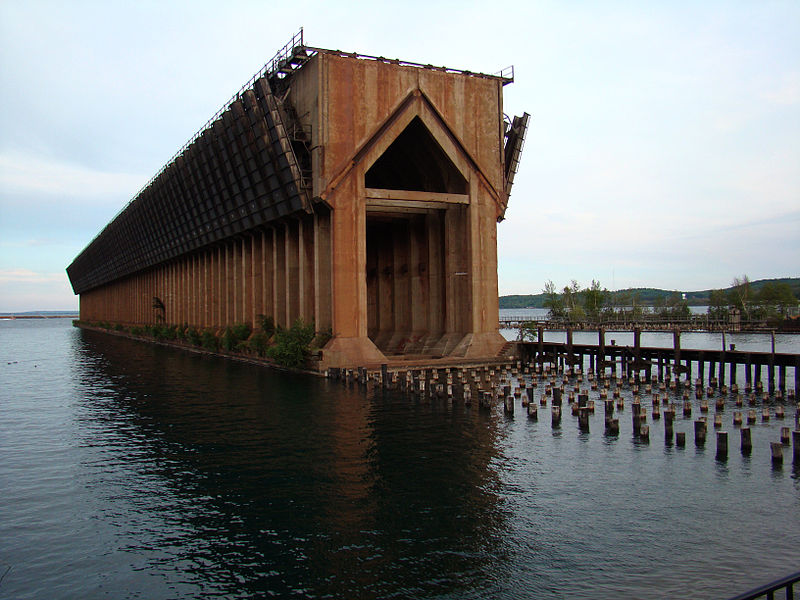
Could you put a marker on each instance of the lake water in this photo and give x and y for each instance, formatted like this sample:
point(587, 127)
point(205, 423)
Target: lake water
point(129, 470)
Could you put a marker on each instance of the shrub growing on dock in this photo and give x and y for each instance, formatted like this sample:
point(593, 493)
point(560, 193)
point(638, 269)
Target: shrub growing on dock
point(292, 345)
point(209, 341)
point(193, 336)
point(234, 335)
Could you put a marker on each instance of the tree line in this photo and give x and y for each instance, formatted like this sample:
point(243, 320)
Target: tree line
point(772, 301)
point(595, 303)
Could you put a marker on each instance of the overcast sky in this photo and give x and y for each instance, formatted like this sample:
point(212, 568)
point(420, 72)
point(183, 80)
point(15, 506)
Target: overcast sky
point(664, 147)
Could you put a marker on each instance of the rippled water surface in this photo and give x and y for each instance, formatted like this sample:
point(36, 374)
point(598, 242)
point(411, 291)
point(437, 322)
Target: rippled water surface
point(129, 470)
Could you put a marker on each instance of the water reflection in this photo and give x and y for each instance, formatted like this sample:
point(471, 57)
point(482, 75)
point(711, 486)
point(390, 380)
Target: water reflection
point(249, 481)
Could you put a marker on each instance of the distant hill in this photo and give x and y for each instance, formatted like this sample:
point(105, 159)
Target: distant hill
point(648, 296)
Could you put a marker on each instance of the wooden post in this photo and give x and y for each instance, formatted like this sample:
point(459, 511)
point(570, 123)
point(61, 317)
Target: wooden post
point(722, 445)
point(777, 453)
point(796, 446)
point(748, 376)
point(757, 377)
point(601, 353)
point(701, 367)
point(747, 441)
point(680, 439)
point(676, 345)
point(570, 357)
point(533, 413)
point(699, 432)
point(797, 374)
point(583, 419)
point(556, 416)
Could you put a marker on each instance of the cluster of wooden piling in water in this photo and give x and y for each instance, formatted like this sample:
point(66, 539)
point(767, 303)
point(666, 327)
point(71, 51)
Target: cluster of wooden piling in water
point(534, 387)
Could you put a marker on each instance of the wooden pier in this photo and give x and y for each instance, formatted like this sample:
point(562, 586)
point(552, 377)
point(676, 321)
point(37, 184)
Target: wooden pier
point(628, 361)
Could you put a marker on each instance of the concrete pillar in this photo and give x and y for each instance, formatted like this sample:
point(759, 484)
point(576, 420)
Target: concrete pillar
point(401, 267)
point(281, 310)
point(292, 271)
point(228, 315)
point(238, 284)
point(257, 270)
point(385, 304)
point(436, 308)
point(457, 271)
point(247, 275)
point(418, 270)
point(322, 270)
point(268, 282)
point(207, 289)
point(306, 276)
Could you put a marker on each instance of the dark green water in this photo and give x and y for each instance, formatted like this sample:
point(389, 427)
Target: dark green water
point(133, 471)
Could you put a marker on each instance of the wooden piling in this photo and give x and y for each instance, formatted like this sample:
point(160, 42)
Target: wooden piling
point(722, 445)
point(747, 441)
point(796, 446)
point(533, 413)
point(699, 432)
point(583, 419)
point(680, 439)
point(777, 452)
point(556, 416)
point(785, 437)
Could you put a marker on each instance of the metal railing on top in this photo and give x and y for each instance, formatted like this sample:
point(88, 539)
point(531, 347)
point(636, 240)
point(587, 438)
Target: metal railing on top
point(768, 590)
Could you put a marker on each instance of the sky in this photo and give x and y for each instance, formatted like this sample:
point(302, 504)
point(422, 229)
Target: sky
point(663, 149)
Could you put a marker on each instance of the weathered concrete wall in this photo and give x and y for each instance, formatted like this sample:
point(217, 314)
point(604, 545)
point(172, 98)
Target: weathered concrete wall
point(366, 105)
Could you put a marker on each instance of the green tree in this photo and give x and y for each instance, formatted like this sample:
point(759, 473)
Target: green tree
point(594, 298)
point(553, 301)
point(673, 306)
point(718, 305)
point(740, 295)
point(774, 298)
point(528, 331)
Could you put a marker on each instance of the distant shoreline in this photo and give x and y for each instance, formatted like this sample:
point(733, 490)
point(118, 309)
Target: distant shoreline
point(12, 316)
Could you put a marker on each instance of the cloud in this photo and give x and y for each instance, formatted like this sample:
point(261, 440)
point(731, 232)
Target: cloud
point(787, 92)
point(21, 173)
point(32, 243)
point(27, 276)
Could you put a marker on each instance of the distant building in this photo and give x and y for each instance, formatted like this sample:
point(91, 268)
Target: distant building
point(360, 193)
